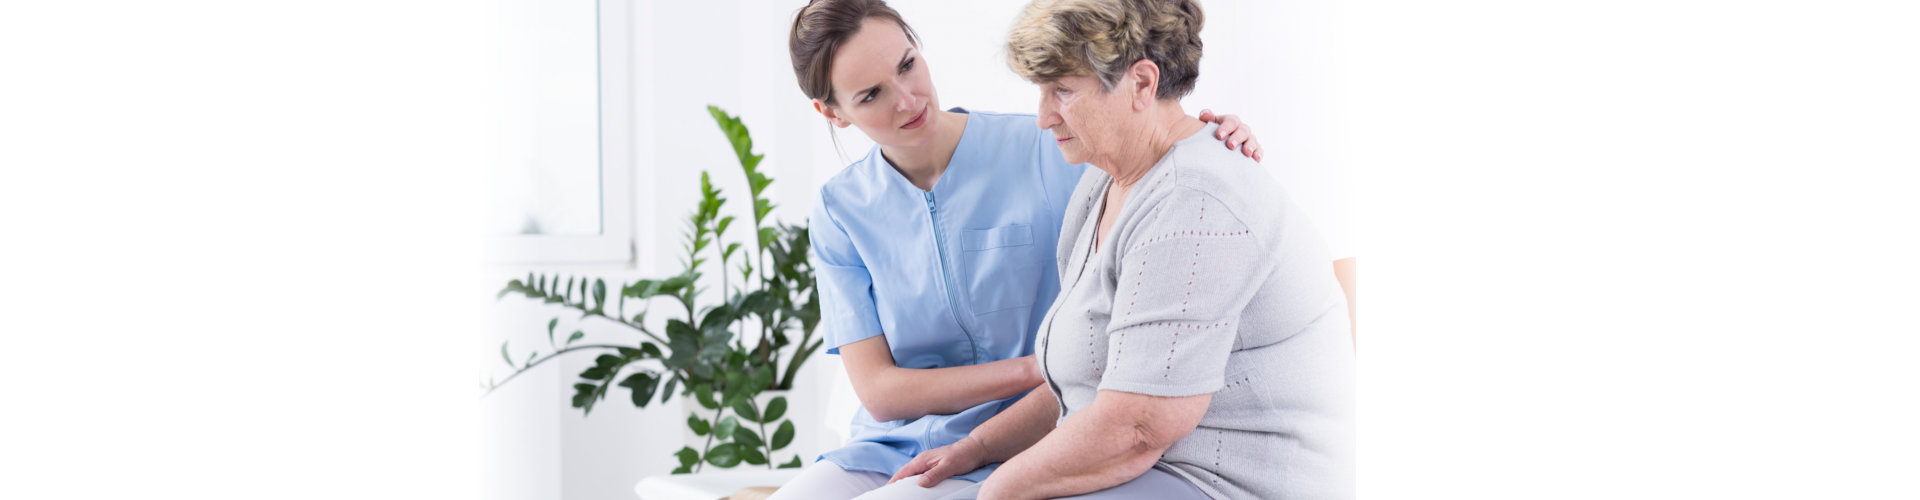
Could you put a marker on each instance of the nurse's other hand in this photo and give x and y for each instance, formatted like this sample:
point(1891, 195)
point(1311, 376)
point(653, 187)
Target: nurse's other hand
point(1236, 134)
point(938, 464)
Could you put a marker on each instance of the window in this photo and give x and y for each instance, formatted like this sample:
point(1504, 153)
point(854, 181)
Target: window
point(562, 194)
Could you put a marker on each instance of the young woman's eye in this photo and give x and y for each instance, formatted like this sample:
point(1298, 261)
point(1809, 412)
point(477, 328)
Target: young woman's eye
point(905, 66)
point(870, 96)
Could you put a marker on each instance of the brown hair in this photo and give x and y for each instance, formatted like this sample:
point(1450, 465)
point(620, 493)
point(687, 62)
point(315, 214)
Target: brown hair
point(1053, 39)
point(818, 31)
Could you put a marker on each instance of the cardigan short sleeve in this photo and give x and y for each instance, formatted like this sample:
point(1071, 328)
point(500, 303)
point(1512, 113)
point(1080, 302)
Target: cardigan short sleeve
point(1185, 273)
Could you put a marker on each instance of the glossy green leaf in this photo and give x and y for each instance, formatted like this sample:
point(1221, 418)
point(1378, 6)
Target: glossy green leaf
point(688, 456)
point(550, 326)
point(747, 438)
point(512, 286)
point(736, 388)
point(724, 455)
point(643, 384)
point(504, 355)
point(577, 335)
point(744, 408)
point(775, 409)
point(760, 379)
point(792, 464)
point(583, 395)
point(699, 425)
point(704, 394)
point(784, 435)
point(726, 428)
point(761, 208)
point(752, 456)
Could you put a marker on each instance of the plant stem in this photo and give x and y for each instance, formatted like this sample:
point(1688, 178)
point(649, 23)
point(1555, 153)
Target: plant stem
point(555, 354)
point(766, 442)
point(711, 430)
point(800, 355)
point(636, 326)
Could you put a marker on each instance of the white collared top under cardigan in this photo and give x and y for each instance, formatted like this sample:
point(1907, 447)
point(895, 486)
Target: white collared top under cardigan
point(1211, 281)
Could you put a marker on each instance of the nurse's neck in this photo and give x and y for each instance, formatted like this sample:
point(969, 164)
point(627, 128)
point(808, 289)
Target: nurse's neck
point(922, 164)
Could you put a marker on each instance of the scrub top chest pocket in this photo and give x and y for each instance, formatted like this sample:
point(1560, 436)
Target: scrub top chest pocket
point(1002, 267)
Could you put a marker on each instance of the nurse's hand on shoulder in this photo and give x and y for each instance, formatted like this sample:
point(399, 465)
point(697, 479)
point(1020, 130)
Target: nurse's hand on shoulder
point(938, 464)
point(1237, 134)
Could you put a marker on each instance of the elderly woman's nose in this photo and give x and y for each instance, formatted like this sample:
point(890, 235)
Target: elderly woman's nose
point(1046, 118)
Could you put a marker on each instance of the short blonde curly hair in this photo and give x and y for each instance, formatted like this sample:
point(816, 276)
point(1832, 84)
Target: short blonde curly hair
point(1054, 39)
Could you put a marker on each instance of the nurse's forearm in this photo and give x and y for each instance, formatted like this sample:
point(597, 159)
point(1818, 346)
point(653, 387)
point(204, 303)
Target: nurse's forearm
point(890, 392)
point(1018, 428)
point(907, 393)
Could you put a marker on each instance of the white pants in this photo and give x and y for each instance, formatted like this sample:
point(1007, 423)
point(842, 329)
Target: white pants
point(825, 480)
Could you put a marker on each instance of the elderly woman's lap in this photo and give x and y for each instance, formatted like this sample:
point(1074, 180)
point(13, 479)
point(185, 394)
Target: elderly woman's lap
point(1156, 484)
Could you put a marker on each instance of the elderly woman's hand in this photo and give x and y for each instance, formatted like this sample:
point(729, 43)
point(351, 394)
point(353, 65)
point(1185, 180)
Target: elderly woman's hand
point(938, 464)
point(1236, 133)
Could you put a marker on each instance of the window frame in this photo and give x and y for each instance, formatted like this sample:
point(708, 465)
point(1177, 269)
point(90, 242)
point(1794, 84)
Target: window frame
point(615, 242)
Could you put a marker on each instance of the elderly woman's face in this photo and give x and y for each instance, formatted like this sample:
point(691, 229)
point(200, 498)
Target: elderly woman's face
point(1086, 121)
point(882, 86)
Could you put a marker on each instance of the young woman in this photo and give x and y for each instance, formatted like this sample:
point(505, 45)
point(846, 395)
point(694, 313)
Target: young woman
point(936, 252)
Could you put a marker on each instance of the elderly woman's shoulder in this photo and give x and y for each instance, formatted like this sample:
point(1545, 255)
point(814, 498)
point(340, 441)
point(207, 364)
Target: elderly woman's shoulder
point(1201, 172)
point(1203, 164)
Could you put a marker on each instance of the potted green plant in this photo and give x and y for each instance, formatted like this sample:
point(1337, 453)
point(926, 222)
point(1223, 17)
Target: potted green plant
point(724, 355)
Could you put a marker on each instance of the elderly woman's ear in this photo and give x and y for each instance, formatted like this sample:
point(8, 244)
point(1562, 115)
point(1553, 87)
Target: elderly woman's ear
point(1145, 85)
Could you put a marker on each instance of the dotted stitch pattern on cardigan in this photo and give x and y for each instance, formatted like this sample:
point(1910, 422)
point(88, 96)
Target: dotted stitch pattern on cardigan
point(1172, 347)
point(1189, 234)
point(1091, 359)
point(1219, 437)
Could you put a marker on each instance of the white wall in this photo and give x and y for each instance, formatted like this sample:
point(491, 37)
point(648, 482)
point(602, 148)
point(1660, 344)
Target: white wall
point(1262, 62)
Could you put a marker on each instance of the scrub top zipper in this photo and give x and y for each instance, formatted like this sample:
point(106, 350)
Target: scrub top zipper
point(953, 306)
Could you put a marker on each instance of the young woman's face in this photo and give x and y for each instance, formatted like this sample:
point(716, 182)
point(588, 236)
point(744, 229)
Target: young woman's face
point(882, 86)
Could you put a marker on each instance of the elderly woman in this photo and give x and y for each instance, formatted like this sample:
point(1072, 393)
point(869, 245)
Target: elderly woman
point(1198, 347)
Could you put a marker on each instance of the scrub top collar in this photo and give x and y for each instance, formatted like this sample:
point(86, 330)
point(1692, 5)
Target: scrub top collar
point(962, 154)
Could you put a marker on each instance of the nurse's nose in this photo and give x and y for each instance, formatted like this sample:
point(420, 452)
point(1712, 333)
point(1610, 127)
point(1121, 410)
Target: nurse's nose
point(907, 102)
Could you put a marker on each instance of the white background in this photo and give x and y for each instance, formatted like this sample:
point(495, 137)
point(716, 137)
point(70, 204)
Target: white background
point(1643, 249)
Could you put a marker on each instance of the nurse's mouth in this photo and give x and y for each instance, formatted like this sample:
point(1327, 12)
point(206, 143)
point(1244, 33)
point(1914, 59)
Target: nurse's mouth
point(918, 120)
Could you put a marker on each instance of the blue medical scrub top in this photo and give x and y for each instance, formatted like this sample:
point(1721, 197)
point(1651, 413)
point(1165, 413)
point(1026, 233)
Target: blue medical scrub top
point(955, 276)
